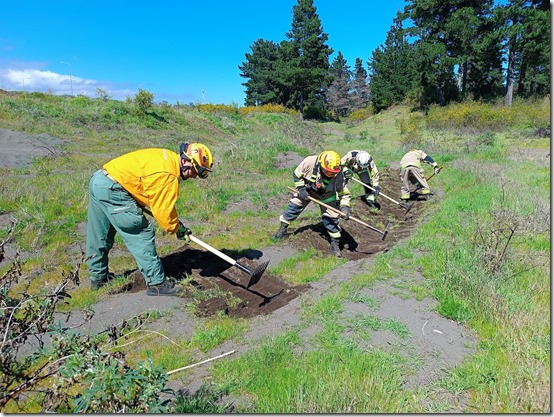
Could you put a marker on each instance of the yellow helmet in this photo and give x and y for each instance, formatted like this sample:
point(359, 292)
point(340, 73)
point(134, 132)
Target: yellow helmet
point(329, 161)
point(200, 156)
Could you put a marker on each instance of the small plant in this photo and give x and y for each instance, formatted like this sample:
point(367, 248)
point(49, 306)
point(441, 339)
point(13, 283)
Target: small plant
point(103, 94)
point(73, 373)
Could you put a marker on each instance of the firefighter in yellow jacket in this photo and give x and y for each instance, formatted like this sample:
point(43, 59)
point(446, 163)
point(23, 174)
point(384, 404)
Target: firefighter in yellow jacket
point(411, 171)
point(147, 178)
point(320, 177)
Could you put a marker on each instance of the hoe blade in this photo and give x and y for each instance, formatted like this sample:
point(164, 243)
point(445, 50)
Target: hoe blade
point(257, 274)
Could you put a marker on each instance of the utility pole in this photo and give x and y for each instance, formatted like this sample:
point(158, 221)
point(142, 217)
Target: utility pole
point(70, 79)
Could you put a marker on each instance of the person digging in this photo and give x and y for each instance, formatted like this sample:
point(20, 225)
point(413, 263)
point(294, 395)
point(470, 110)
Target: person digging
point(362, 164)
point(145, 179)
point(320, 177)
point(411, 171)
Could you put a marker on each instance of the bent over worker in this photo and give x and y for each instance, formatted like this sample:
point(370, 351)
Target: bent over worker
point(411, 171)
point(147, 178)
point(320, 177)
point(362, 164)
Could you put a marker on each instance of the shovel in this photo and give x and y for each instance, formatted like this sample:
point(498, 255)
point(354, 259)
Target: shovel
point(340, 213)
point(255, 275)
point(404, 206)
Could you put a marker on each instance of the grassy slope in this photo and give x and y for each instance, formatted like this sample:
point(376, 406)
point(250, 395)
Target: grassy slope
point(504, 296)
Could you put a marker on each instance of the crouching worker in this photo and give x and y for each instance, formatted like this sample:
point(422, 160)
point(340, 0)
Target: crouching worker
point(362, 164)
point(147, 178)
point(320, 177)
point(412, 172)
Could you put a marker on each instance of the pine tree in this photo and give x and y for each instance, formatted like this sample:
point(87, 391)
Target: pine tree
point(305, 61)
point(392, 72)
point(259, 68)
point(338, 94)
point(360, 98)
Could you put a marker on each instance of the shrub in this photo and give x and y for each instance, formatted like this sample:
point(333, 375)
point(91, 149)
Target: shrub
point(144, 100)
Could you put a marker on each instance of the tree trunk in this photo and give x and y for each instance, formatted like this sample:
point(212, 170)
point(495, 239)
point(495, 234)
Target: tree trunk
point(510, 79)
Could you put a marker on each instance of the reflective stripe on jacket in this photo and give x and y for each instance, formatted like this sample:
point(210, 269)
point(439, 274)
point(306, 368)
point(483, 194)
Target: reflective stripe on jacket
point(349, 161)
point(151, 176)
point(413, 158)
point(324, 189)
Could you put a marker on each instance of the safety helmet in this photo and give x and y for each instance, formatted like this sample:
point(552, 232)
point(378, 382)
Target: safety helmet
point(329, 161)
point(362, 159)
point(200, 157)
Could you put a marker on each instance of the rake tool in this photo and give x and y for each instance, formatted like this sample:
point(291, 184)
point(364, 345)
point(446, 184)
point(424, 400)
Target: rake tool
point(255, 275)
point(404, 206)
point(340, 213)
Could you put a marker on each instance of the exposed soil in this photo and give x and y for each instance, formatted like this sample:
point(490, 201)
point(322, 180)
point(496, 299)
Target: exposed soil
point(272, 305)
point(270, 293)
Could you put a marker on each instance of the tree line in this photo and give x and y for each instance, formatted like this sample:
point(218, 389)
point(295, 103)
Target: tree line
point(435, 52)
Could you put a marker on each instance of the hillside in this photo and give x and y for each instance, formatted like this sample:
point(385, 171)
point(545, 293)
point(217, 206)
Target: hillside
point(448, 313)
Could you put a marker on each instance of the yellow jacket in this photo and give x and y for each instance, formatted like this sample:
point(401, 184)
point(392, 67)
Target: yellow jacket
point(151, 176)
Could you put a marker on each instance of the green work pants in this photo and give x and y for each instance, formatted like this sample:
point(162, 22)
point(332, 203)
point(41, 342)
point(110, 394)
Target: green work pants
point(112, 209)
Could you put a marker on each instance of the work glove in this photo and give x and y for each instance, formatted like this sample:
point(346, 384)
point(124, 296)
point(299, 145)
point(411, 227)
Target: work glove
point(183, 233)
point(348, 174)
point(303, 193)
point(376, 190)
point(437, 170)
point(346, 211)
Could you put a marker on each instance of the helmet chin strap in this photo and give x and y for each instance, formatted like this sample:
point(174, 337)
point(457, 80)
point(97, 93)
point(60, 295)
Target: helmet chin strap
point(183, 170)
point(182, 152)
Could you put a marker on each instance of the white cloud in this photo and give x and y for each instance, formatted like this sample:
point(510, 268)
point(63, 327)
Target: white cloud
point(47, 81)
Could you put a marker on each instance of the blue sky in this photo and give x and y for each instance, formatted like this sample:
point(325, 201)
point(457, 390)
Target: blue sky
point(186, 51)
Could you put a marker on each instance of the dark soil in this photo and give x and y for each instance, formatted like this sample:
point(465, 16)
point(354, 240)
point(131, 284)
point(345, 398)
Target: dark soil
point(271, 292)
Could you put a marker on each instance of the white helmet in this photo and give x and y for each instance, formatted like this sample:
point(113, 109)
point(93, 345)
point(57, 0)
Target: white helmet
point(362, 159)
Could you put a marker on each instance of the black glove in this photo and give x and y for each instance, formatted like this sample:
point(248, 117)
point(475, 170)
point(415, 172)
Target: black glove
point(303, 193)
point(346, 211)
point(437, 170)
point(183, 232)
point(376, 190)
point(348, 174)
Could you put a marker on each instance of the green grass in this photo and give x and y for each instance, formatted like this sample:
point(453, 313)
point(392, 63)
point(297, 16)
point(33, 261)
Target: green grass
point(488, 187)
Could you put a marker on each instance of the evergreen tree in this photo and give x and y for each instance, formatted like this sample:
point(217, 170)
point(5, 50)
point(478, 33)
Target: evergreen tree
point(304, 70)
point(259, 68)
point(527, 46)
point(360, 89)
point(435, 61)
point(392, 70)
point(338, 94)
point(472, 40)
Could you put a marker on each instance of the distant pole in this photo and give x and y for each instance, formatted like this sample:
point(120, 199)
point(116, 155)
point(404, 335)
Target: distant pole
point(70, 79)
point(203, 91)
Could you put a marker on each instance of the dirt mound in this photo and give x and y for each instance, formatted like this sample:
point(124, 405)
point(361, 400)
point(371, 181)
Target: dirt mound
point(226, 285)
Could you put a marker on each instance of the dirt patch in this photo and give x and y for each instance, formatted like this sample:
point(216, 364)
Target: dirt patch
point(228, 284)
point(17, 149)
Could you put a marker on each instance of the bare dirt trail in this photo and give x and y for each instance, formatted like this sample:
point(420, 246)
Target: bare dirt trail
point(273, 305)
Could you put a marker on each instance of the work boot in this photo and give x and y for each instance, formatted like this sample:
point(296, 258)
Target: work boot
point(165, 288)
point(96, 285)
point(282, 231)
point(335, 248)
point(372, 204)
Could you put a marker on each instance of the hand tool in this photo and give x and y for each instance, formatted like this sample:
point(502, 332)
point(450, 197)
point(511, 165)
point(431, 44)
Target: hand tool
point(404, 206)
